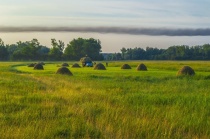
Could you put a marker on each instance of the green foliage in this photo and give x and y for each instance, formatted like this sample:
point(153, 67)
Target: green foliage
point(181, 52)
point(32, 50)
point(80, 47)
point(3, 51)
point(77, 48)
point(56, 51)
point(29, 50)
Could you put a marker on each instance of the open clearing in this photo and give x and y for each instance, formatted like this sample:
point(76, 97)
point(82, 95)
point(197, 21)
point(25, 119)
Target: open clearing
point(111, 103)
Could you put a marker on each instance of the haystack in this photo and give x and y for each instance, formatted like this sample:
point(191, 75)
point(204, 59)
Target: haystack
point(125, 66)
point(38, 67)
point(42, 63)
point(32, 65)
point(141, 67)
point(75, 65)
point(186, 70)
point(99, 66)
point(85, 60)
point(65, 65)
point(64, 71)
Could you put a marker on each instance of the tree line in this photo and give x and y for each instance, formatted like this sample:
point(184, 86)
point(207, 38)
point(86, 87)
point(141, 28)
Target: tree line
point(33, 50)
point(77, 48)
point(181, 52)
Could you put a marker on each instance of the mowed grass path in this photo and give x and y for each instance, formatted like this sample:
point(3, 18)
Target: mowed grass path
point(113, 103)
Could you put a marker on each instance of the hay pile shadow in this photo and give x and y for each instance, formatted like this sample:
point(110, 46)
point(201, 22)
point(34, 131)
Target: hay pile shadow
point(75, 65)
point(186, 70)
point(141, 67)
point(38, 67)
point(99, 66)
point(32, 65)
point(65, 65)
point(125, 66)
point(64, 71)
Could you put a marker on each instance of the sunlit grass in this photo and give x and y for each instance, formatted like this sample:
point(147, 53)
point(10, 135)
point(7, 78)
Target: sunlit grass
point(113, 103)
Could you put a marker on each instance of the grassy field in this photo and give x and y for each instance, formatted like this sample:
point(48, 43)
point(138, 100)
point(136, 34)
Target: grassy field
point(110, 104)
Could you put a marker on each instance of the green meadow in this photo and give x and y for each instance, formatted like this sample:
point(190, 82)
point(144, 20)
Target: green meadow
point(105, 104)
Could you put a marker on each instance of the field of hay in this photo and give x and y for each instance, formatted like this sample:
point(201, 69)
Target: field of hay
point(112, 103)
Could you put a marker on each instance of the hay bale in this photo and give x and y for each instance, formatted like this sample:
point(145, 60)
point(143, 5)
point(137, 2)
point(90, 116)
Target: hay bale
point(186, 70)
point(42, 63)
point(125, 66)
point(32, 65)
point(99, 66)
point(75, 65)
point(141, 67)
point(38, 67)
point(64, 71)
point(85, 60)
point(65, 65)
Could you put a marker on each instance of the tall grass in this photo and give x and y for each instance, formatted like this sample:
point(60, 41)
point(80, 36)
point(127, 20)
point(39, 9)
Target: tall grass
point(105, 104)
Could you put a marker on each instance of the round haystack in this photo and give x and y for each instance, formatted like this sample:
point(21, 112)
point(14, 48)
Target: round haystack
point(75, 65)
point(38, 67)
point(141, 67)
point(64, 71)
point(99, 66)
point(186, 70)
point(32, 65)
point(125, 66)
point(42, 63)
point(65, 65)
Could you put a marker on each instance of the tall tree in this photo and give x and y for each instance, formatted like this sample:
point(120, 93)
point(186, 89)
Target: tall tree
point(80, 47)
point(123, 50)
point(3, 51)
point(56, 51)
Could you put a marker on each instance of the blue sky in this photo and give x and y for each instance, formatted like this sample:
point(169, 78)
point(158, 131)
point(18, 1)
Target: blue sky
point(106, 13)
point(138, 13)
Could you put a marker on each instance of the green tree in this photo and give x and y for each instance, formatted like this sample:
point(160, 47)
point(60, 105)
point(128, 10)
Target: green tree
point(56, 51)
point(80, 47)
point(3, 51)
point(206, 50)
point(123, 50)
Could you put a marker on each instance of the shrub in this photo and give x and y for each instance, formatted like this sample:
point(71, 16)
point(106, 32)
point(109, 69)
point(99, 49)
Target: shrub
point(141, 67)
point(186, 70)
point(125, 66)
point(38, 67)
point(99, 66)
point(64, 70)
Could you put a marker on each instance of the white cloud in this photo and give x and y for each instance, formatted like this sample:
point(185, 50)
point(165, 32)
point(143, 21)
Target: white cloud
point(106, 12)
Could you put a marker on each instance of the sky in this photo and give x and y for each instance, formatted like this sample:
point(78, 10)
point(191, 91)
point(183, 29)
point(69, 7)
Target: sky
point(116, 23)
